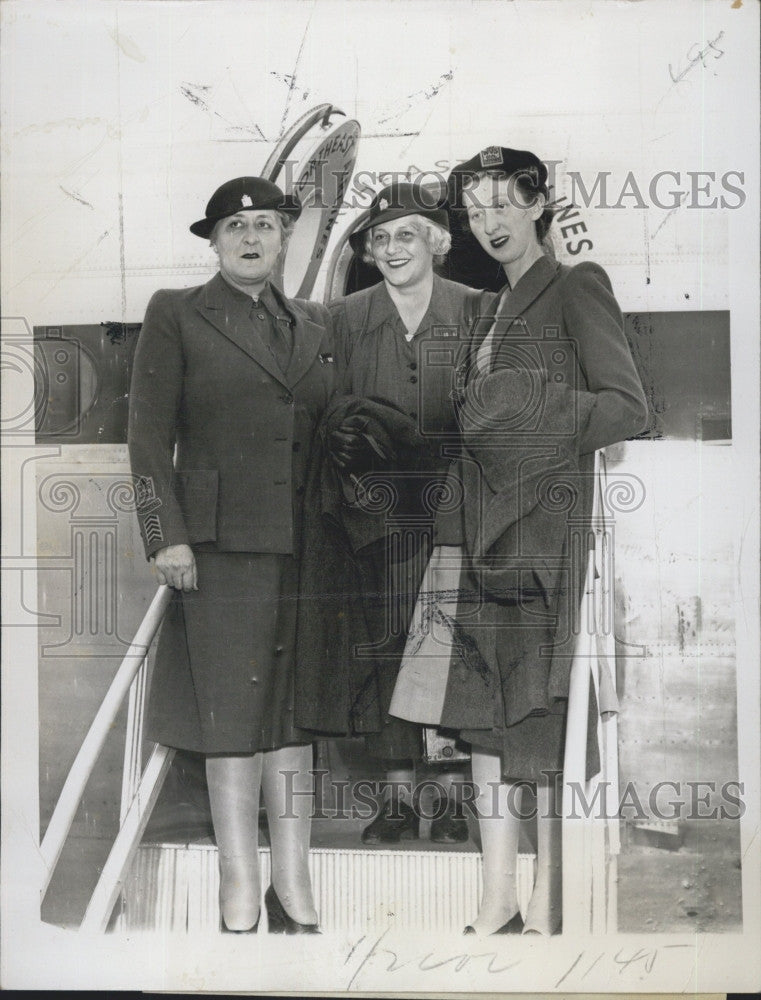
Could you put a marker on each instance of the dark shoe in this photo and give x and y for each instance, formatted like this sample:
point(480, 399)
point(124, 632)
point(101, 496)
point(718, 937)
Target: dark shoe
point(387, 828)
point(513, 926)
point(279, 922)
point(449, 829)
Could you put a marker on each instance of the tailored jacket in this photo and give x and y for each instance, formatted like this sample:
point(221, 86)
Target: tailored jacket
point(561, 384)
point(219, 436)
point(568, 318)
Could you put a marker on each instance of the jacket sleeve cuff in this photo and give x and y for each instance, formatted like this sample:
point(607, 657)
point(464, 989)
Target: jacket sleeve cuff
point(159, 531)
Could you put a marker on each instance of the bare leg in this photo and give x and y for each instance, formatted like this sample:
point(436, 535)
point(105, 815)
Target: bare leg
point(288, 795)
point(400, 784)
point(447, 778)
point(545, 910)
point(498, 804)
point(234, 795)
point(450, 781)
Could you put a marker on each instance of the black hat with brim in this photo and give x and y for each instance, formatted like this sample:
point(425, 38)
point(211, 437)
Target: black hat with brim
point(244, 194)
point(498, 158)
point(396, 201)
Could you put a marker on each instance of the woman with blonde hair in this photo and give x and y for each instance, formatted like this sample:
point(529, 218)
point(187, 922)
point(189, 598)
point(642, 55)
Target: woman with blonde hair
point(388, 439)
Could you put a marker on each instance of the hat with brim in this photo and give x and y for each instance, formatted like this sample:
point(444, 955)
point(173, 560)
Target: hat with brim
point(244, 194)
point(495, 158)
point(396, 201)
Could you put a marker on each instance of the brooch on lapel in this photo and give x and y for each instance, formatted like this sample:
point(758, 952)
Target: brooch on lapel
point(326, 359)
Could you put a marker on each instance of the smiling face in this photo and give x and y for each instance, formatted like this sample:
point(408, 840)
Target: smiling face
point(401, 252)
point(502, 220)
point(248, 244)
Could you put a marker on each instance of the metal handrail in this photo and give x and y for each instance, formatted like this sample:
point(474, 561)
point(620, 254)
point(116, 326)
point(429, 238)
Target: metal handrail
point(84, 763)
point(587, 844)
point(581, 855)
point(574, 759)
point(131, 828)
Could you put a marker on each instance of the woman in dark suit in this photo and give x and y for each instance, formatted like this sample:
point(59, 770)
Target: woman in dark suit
point(231, 378)
point(550, 379)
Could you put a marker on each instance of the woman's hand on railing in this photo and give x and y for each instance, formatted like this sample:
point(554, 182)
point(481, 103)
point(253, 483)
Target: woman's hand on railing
point(176, 567)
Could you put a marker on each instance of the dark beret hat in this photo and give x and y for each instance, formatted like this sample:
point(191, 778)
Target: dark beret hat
point(396, 201)
point(240, 194)
point(500, 158)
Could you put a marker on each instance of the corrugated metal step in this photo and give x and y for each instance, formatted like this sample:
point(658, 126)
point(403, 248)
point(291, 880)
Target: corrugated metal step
point(174, 887)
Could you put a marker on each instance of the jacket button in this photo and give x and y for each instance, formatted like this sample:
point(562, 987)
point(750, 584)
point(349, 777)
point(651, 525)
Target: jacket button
point(299, 491)
point(296, 445)
point(278, 650)
point(413, 378)
point(287, 398)
point(413, 365)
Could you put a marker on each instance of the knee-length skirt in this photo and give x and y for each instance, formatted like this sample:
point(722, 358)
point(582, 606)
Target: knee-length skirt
point(534, 748)
point(223, 677)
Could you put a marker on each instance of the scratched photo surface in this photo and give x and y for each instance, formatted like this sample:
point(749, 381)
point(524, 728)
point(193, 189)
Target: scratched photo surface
point(119, 120)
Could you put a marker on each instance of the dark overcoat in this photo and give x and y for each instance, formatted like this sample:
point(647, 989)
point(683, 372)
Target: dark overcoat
point(565, 322)
point(344, 677)
point(351, 643)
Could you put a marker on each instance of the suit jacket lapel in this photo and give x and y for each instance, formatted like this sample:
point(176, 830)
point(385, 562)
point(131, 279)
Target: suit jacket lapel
point(480, 329)
point(529, 288)
point(484, 321)
point(215, 308)
point(307, 338)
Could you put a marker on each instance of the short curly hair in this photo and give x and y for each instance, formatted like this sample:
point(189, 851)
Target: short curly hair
point(438, 239)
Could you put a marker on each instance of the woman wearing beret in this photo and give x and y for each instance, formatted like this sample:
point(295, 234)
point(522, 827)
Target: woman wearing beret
point(231, 378)
point(549, 380)
point(387, 433)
